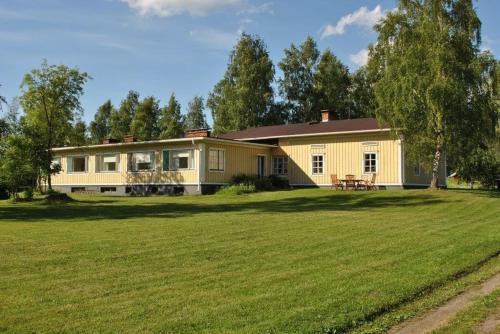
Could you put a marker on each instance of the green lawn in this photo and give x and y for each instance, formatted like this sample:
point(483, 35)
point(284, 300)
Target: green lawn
point(293, 261)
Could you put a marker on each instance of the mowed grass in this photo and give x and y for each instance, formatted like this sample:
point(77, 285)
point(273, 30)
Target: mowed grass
point(293, 261)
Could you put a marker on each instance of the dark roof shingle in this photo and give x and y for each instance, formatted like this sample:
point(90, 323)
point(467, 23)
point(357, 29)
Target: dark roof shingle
point(311, 128)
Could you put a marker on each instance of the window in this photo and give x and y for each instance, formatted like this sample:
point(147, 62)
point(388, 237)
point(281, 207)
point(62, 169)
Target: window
point(280, 165)
point(216, 160)
point(108, 189)
point(141, 161)
point(318, 161)
point(107, 163)
point(77, 164)
point(56, 163)
point(370, 163)
point(178, 159)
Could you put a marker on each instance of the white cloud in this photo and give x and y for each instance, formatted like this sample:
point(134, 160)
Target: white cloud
point(265, 8)
point(176, 7)
point(361, 17)
point(216, 39)
point(360, 58)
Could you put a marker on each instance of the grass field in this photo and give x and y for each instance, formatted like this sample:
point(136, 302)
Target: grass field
point(293, 261)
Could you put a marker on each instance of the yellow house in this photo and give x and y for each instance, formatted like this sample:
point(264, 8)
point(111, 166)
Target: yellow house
point(307, 154)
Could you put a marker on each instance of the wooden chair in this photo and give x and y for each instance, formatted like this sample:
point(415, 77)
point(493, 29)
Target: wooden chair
point(350, 182)
point(336, 182)
point(369, 182)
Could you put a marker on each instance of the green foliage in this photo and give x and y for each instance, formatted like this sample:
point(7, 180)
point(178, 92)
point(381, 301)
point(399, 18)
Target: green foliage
point(16, 167)
point(297, 85)
point(51, 101)
point(237, 189)
point(480, 165)
point(78, 134)
point(243, 98)
point(122, 118)
point(195, 118)
point(145, 124)
point(331, 85)
point(431, 80)
point(100, 127)
point(361, 96)
point(171, 123)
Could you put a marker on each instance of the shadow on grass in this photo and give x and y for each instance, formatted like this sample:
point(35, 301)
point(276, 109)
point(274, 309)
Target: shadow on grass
point(95, 210)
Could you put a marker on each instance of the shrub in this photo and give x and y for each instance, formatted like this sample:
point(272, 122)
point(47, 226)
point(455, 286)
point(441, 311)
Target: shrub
point(28, 194)
point(57, 197)
point(278, 182)
point(237, 189)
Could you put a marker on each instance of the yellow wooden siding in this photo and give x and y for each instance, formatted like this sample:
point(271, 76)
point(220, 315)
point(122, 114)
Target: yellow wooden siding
point(122, 176)
point(239, 160)
point(343, 155)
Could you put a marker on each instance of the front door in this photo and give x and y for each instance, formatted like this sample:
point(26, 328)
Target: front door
point(261, 166)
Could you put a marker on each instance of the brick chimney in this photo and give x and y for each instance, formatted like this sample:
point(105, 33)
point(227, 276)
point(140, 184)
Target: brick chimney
point(197, 133)
point(129, 139)
point(328, 115)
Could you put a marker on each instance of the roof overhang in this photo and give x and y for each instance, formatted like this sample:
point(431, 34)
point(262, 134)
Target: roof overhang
point(162, 141)
point(315, 134)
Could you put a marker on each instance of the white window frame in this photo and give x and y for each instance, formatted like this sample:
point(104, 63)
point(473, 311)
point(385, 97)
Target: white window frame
point(191, 162)
point(323, 167)
point(86, 156)
point(224, 162)
point(100, 155)
point(142, 171)
point(363, 163)
point(273, 167)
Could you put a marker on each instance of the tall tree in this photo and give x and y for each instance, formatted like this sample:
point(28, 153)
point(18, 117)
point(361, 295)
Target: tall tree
point(122, 118)
point(171, 124)
point(297, 85)
point(361, 96)
point(78, 135)
point(100, 127)
point(331, 85)
point(195, 118)
point(243, 98)
point(51, 100)
point(145, 125)
point(430, 79)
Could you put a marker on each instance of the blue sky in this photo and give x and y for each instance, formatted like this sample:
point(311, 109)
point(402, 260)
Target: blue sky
point(162, 46)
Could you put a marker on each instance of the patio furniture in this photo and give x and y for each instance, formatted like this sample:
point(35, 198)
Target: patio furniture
point(336, 182)
point(368, 182)
point(350, 182)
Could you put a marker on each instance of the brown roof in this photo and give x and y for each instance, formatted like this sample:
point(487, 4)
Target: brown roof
point(311, 128)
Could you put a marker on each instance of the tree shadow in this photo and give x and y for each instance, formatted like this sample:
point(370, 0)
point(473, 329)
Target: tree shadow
point(93, 211)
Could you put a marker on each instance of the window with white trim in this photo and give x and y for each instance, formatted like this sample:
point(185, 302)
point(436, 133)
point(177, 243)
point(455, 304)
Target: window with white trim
point(181, 159)
point(318, 162)
point(56, 163)
point(107, 163)
point(141, 161)
point(280, 165)
point(369, 162)
point(77, 164)
point(216, 160)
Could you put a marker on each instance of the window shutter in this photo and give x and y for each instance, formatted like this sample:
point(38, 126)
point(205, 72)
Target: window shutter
point(69, 162)
point(118, 162)
point(166, 160)
point(86, 164)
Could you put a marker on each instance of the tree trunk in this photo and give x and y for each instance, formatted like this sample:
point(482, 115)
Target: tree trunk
point(49, 181)
point(435, 167)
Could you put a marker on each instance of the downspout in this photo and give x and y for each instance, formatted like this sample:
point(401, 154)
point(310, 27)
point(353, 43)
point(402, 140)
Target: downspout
point(199, 169)
point(401, 158)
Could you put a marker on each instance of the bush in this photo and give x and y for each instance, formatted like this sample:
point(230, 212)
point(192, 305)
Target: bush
point(57, 197)
point(27, 194)
point(237, 189)
point(243, 183)
point(278, 182)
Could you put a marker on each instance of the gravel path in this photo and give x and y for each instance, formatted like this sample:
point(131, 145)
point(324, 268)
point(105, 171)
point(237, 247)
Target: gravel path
point(437, 318)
